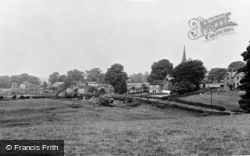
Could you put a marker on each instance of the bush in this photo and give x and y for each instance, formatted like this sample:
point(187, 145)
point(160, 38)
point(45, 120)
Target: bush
point(105, 102)
point(1, 97)
point(14, 97)
point(102, 91)
point(129, 99)
point(92, 89)
point(183, 87)
point(21, 97)
point(75, 95)
point(245, 104)
point(67, 96)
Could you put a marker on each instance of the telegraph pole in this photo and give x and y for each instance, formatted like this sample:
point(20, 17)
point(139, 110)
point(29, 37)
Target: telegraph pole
point(141, 89)
point(211, 98)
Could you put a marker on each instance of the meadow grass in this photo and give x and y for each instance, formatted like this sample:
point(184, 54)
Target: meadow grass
point(141, 130)
point(227, 99)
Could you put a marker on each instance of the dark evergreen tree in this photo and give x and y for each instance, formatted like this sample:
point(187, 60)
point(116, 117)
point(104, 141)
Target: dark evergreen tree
point(245, 82)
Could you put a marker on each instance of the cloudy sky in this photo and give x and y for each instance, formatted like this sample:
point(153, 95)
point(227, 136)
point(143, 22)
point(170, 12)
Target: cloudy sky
point(39, 37)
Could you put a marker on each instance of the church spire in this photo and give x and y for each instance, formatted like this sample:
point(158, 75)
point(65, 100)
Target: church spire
point(184, 56)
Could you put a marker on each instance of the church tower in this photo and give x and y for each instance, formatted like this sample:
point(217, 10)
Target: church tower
point(184, 56)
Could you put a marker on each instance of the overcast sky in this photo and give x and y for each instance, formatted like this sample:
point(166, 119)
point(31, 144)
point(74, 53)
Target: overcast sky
point(40, 37)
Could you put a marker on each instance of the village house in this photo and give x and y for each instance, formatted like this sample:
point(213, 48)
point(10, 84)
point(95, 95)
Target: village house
point(136, 87)
point(14, 87)
point(83, 87)
point(25, 85)
point(79, 86)
point(161, 86)
point(233, 79)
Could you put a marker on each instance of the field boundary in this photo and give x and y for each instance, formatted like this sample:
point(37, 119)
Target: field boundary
point(202, 110)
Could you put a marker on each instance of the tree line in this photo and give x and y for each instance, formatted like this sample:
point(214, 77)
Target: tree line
point(216, 74)
point(6, 81)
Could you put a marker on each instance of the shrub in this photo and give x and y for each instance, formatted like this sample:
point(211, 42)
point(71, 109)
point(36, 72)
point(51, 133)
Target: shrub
point(245, 104)
point(67, 96)
point(21, 97)
point(183, 87)
point(104, 102)
point(14, 97)
point(102, 91)
point(75, 95)
point(92, 89)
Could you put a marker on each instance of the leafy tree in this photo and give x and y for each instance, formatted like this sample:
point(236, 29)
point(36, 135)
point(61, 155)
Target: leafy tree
point(62, 78)
point(120, 84)
point(96, 75)
point(54, 77)
point(183, 87)
point(160, 70)
point(217, 74)
point(135, 78)
point(14, 79)
point(188, 76)
point(235, 66)
point(45, 84)
point(116, 77)
point(245, 82)
point(24, 77)
point(75, 75)
point(4, 81)
point(102, 91)
point(34, 80)
point(138, 78)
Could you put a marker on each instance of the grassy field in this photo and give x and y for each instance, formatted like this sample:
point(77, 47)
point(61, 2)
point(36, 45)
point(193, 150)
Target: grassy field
point(141, 130)
point(227, 99)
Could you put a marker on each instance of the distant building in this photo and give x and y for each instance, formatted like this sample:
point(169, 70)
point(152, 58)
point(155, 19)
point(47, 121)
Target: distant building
point(233, 79)
point(57, 84)
point(94, 84)
point(160, 86)
point(79, 86)
point(83, 87)
point(14, 87)
point(25, 85)
point(184, 56)
point(137, 87)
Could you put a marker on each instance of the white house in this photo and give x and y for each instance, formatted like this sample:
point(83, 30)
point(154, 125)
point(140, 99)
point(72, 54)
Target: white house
point(233, 79)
